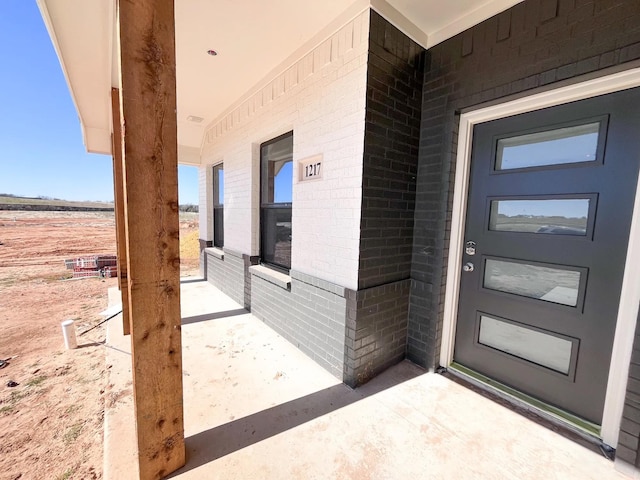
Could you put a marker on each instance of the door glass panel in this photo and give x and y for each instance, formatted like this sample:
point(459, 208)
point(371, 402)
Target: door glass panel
point(551, 216)
point(537, 347)
point(542, 283)
point(554, 147)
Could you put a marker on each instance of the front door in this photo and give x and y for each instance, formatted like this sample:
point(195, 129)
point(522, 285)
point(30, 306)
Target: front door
point(548, 216)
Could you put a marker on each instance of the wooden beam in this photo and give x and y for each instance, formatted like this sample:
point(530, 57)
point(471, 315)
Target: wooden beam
point(115, 208)
point(149, 128)
point(118, 201)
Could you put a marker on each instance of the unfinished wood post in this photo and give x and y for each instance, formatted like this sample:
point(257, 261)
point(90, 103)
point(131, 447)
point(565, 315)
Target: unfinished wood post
point(115, 205)
point(149, 130)
point(118, 203)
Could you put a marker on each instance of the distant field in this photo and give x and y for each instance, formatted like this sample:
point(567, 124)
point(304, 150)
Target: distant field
point(5, 200)
point(8, 202)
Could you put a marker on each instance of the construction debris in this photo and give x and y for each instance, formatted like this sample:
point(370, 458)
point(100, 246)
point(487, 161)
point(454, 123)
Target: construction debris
point(101, 266)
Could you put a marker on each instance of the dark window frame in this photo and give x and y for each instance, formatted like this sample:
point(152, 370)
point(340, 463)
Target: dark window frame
point(273, 208)
point(218, 208)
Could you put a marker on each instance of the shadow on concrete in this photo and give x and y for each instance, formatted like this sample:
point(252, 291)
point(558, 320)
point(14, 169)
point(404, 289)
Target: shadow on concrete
point(217, 442)
point(213, 316)
point(106, 345)
point(191, 280)
point(92, 344)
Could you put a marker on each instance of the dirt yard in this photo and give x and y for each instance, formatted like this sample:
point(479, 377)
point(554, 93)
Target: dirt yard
point(51, 423)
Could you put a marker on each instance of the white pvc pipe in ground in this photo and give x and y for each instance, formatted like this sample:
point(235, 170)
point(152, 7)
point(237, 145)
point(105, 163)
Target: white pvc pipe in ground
point(69, 333)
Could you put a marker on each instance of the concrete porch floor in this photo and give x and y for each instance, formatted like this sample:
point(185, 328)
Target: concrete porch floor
point(257, 408)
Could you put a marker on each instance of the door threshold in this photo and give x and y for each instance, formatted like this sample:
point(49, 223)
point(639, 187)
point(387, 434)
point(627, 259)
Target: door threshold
point(558, 418)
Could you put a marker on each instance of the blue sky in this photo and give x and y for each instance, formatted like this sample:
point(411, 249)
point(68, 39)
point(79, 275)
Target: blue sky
point(41, 148)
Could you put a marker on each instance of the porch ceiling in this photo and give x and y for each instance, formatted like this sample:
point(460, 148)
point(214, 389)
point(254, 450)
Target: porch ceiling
point(253, 39)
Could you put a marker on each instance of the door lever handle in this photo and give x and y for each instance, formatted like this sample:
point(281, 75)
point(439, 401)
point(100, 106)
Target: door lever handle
point(468, 267)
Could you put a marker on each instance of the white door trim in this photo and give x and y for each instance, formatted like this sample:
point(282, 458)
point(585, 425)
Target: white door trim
point(630, 295)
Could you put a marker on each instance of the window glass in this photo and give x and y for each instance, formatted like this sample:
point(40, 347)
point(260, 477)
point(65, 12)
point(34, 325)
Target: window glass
point(532, 345)
point(542, 283)
point(276, 234)
point(550, 216)
point(277, 171)
point(220, 183)
point(276, 159)
point(554, 147)
point(218, 205)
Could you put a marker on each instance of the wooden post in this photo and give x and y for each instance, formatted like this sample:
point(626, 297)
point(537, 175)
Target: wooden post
point(115, 205)
point(149, 129)
point(118, 201)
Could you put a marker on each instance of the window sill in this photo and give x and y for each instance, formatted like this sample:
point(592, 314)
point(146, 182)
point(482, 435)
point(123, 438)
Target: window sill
point(282, 280)
point(215, 252)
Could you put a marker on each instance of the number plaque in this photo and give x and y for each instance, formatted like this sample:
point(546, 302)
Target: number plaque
point(310, 168)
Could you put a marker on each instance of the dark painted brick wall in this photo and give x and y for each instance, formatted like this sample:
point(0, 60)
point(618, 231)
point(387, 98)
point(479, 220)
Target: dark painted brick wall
point(231, 275)
point(203, 258)
point(627, 448)
point(248, 262)
point(310, 315)
point(377, 338)
point(228, 275)
point(376, 315)
point(392, 135)
point(533, 44)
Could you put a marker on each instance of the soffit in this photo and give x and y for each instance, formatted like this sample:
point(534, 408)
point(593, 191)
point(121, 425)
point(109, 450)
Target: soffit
point(254, 40)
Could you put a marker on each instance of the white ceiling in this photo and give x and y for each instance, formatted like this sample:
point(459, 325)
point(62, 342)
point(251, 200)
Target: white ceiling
point(251, 38)
point(254, 39)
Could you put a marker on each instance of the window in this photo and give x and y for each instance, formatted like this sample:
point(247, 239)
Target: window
point(560, 146)
point(218, 206)
point(276, 174)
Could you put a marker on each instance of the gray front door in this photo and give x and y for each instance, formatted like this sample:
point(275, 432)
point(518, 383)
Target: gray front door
point(548, 215)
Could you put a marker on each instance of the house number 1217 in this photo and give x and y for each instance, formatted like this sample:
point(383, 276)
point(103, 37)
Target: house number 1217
point(312, 170)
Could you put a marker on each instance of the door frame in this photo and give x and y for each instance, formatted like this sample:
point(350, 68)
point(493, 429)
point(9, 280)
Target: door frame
point(630, 294)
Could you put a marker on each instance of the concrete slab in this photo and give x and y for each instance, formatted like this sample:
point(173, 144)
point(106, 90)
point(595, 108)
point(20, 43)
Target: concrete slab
point(257, 408)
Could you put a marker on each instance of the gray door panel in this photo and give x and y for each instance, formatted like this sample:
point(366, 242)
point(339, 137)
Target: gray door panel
point(546, 317)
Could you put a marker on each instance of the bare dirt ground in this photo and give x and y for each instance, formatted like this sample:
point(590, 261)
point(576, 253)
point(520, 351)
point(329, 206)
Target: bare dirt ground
point(51, 423)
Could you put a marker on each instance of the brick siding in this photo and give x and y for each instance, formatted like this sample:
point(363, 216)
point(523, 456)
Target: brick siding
point(531, 45)
point(321, 98)
point(377, 312)
point(203, 257)
point(376, 335)
point(310, 315)
point(391, 140)
point(228, 275)
point(627, 448)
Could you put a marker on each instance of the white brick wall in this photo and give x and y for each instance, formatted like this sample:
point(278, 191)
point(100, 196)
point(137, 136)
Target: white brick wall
point(205, 194)
point(322, 98)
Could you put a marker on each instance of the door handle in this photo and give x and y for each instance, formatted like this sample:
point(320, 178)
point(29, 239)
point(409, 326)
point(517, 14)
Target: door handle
point(468, 267)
